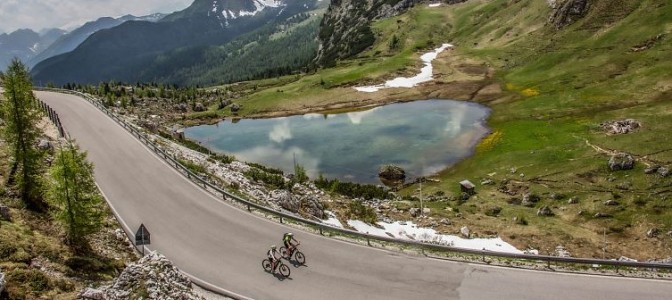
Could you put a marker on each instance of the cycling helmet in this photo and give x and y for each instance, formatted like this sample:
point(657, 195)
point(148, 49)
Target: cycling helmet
point(290, 234)
point(273, 247)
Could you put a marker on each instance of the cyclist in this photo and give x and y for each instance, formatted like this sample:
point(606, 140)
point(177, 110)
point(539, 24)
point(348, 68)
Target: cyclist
point(272, 257)
point(287, 239)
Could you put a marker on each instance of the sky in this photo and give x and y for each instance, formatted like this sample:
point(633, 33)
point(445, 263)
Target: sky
point(70, 14)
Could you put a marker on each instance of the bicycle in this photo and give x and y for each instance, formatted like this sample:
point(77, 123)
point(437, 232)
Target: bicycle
point(298, 255)
point(282, 268)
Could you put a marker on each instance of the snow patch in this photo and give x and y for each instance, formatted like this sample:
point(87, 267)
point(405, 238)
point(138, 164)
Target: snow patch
point(409, 231)
point(332, 220)
point(408, 82)
point(434, 4)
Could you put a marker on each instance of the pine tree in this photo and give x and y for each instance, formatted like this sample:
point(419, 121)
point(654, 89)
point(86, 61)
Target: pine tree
point(21, 113)
point(76, 203)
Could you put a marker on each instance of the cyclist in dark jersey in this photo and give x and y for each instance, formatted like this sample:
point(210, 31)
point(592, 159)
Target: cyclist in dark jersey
point(287, 239)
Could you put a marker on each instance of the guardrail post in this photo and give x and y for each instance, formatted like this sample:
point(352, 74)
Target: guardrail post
point(321, 233)
point(250, 210)
point(368, 241)
point(548, 263)
point(281, 220)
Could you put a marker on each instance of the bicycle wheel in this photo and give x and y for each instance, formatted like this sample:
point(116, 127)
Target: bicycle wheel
point(284, 252)
point(300, 258)
point(284, 270)
point(266, 264)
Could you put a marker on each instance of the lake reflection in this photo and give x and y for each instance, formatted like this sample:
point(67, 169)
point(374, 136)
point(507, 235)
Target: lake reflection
point(422, 137)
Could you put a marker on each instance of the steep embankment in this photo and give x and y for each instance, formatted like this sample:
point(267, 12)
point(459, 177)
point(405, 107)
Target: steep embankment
point(552, 72)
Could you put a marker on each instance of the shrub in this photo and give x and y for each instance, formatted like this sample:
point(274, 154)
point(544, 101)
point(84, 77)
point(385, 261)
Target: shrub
point(274, 180)
point(34, 280)
point(357, 210)
point(196, 168)
point(352, 190)
point(521, 220)
point(85, 264)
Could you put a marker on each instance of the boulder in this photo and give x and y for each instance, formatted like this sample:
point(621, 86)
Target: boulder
point(561, 251)
point(312, 205)
point(620, 126)
point(623, 186)
point(465, 231)
point(426, 211)
point(557, 196)
point(235, 107)
point(285, 200)
point(182, 107)
point(663, 171)
point(611, 203)
point(621, 161)
point(4, 213)
point(414, 211)
point(199, 107)
point(493, 211)
point(653, 232)
point(545, 211)
point(487, 182)
point(224, 103)
point(573, 200)
point(529, 199)
point(448, 222)
point(625, 258)
point(390, 172)
point(91, 293)
point(44, 144)
point(652, 169)
point(602, 215)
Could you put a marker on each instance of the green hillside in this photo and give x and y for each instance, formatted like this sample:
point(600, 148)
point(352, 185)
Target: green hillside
point(549, 89)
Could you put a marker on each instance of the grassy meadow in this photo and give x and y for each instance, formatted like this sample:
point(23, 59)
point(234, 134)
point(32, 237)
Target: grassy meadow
point(549, 89)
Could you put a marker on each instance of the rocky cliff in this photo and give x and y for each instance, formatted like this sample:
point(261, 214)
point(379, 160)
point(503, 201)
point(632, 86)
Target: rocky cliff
point(345, 29)
point(566, 12)
point(152, 277)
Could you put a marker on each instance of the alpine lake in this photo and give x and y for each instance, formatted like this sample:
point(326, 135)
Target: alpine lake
point(421, 137)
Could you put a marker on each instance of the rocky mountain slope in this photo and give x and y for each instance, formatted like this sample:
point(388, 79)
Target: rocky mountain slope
point(345, 30)
point(143, 51)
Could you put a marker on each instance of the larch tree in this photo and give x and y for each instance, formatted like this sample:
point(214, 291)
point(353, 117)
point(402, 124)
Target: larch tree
point(74, 197)
point(22, 114)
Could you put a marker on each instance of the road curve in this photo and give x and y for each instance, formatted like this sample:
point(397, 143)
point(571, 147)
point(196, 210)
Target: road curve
point(224, 246)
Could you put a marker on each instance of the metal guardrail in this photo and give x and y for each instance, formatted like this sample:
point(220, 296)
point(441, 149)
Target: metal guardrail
point(2, 281)
point(326, 228)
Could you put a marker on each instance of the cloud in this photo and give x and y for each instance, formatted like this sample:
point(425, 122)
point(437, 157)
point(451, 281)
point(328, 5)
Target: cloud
point(281, 132)
point(357, 117)
point(41, 14)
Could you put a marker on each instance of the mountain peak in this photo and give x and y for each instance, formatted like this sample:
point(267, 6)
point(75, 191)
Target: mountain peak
point(226, 10)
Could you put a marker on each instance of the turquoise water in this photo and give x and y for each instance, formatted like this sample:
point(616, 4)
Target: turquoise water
point(422, 137)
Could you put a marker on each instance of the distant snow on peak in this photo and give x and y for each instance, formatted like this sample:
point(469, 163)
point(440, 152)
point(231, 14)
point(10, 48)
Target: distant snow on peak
point(259, 5)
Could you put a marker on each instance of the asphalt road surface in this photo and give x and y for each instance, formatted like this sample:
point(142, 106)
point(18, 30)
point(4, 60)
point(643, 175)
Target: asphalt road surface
point(224, 246)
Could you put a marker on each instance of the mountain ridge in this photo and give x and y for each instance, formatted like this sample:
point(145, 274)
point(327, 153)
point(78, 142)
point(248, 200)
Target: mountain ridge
point(25, 44)
point(74, 38)
point(128, 51)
